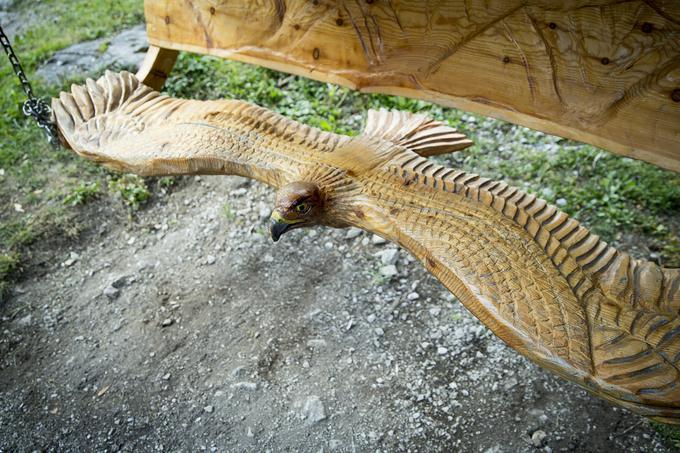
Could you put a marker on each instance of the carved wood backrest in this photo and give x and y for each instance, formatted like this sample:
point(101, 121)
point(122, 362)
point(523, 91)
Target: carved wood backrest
point(604, 72)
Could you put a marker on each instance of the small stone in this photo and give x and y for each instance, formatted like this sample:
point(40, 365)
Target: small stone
point(389, 270)
point(352, 233)
point(73, 257)
point(313, 409)
point(79, 338)
point(442, 350)
point(538, 437)
point(561, 202)
point(25, 321)
point(413, 296)
point(166, 377)
point(370, 318)
point(328, 245)
point(167, 322)
point(249, 433)
point(120, 282)
point(245, 385)
point(209, 409)
point(435, 311)
point(264, 213)
point(389, 256)
point(316, 343)
point(268, 258)
point(111, 292)
point(377, 240)
point(379, 331)
point(210, 259)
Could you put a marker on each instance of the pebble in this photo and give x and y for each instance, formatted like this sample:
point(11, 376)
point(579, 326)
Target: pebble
point(538, 437)
point(245, 385)
point(73, 257)
point(166, 376)
point(111, 292)
point(377, 240)
point(413, 296)
point(389, 256)
point(316, 343)
point(388, 271)
point(268, 258)
point(210, 259)
point(166, 322)
point(561, 202)
point(442, 350)
point(313, 409)
point(209, 409)
point(352, 233)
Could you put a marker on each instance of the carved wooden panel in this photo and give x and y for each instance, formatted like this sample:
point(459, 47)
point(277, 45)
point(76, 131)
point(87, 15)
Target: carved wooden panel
point(606, 72)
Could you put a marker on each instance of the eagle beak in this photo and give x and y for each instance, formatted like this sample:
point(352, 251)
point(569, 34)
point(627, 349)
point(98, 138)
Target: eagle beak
point(278, 225)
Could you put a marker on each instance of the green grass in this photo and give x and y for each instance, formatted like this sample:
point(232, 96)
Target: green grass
point(35, 176)
point(671, 434)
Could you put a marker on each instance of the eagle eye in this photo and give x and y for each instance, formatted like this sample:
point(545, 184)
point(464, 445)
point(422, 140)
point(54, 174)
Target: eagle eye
point(302, 208)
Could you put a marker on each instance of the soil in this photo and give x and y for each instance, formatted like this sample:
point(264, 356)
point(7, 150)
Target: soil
point(187, 329)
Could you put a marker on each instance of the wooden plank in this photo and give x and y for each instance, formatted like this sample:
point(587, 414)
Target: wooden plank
point(605, 72)
point(157, 64)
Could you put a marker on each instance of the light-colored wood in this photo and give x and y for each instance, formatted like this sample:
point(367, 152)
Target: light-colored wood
point(606, 72)
point(156, 66)
point(538, 279)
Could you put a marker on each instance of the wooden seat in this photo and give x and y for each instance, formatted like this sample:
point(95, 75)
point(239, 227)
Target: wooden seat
point(603, 72)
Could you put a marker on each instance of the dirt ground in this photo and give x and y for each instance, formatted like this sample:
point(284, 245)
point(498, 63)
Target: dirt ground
point(187, 329)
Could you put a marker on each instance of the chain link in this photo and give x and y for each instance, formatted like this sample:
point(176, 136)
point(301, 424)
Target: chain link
point(34, 107)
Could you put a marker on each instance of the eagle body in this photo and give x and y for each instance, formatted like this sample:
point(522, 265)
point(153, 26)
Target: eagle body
point(538, 279)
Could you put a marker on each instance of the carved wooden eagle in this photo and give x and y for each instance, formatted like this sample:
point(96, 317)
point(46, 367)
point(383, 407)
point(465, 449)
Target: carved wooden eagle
point(537, 278)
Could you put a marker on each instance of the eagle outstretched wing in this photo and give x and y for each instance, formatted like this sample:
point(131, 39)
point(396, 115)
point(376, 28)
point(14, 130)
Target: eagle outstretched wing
point(541, 281)
point(127, 126)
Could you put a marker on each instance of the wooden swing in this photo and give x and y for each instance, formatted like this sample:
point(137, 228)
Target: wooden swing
point(602, 72)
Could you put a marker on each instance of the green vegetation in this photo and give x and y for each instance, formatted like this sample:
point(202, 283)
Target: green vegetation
point(131, 188)
point(228, 212)
point(670, 433)
point(82, 193)
point(31, 174)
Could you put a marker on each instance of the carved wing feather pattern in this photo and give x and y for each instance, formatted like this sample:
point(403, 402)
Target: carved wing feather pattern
point(128, 126)
point(541, 281)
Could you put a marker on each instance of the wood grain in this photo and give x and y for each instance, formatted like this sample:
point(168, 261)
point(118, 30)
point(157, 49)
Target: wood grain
point(606, 72)
point(538, 279)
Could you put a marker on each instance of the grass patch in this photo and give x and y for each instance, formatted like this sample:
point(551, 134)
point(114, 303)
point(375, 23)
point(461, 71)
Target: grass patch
point(131, 189)
point(33, 172)
point(671, 434)
point(82, 193)
point(228, 212)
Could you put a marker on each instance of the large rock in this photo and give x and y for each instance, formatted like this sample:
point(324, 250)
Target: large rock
point(123, 51)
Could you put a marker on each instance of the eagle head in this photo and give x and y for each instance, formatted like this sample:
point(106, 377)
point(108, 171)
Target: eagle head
point(298, 204)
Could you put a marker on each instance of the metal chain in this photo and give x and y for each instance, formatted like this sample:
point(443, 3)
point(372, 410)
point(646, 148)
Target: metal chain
point(34, 107)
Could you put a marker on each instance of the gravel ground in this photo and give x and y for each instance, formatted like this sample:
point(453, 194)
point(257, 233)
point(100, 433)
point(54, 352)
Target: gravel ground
point(189, 330)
